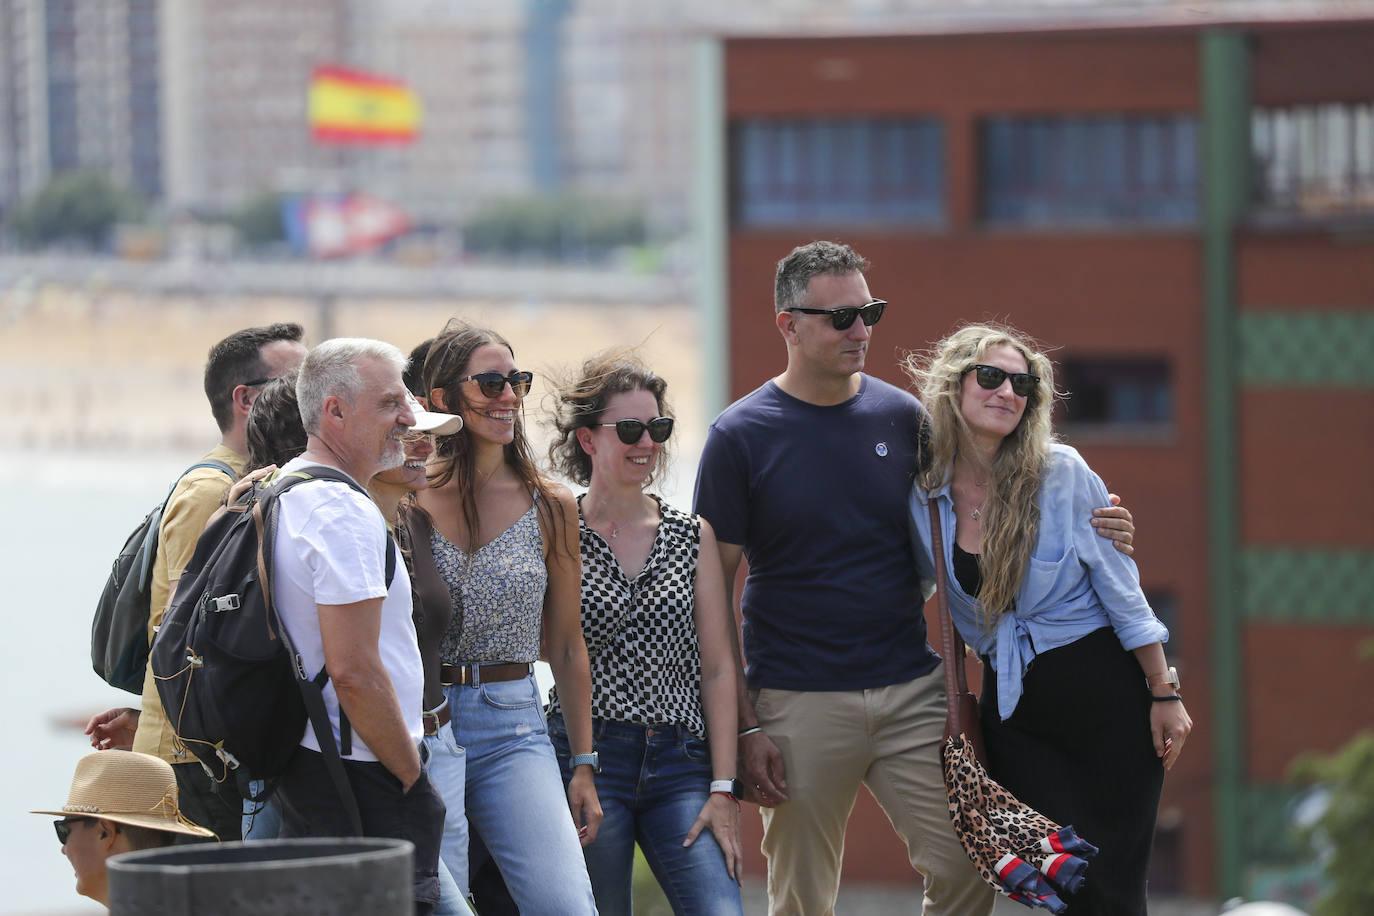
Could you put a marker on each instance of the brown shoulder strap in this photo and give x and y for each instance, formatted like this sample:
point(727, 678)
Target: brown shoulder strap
point(951, 644)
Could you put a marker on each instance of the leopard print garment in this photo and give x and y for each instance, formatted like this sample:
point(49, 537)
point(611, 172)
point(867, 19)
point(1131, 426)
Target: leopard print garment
point(989, 821)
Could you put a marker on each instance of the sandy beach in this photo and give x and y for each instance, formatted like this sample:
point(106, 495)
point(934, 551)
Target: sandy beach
point(106, 369)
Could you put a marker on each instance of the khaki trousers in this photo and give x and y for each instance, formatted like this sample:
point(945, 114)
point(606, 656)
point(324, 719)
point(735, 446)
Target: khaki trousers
point(888, 738)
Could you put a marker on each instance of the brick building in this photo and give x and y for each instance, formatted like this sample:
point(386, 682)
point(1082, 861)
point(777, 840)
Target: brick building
point(1188, 214)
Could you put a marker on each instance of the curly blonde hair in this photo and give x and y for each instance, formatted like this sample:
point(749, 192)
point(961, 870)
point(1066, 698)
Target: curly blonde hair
point(1010, 513)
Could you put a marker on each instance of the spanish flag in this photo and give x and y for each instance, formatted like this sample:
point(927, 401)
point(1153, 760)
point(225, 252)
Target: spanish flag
point(349, 107)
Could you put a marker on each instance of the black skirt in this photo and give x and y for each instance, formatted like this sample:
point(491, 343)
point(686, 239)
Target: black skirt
point(1078, 749)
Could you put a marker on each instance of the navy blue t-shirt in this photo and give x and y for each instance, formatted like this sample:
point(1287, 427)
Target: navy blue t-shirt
point(817, 496)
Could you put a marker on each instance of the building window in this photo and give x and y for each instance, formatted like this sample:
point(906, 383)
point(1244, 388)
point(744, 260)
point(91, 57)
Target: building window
point(1314, 159)
point(1112, 170)
point(837, 171)
point(1126, 394)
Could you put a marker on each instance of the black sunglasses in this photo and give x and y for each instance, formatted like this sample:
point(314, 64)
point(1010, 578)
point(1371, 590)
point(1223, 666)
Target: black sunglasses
point(991, 378)
point(844, 317)
point(64, 827)
point(492, 384)
point(629, 431)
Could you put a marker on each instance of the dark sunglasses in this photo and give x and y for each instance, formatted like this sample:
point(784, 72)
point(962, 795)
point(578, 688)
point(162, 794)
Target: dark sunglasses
point(492, 384)
point(64, 827)
point(844, 317)
point(629, 431)
point(991, 378)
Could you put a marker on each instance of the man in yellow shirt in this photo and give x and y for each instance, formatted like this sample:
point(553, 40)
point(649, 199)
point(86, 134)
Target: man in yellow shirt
point(236, 369)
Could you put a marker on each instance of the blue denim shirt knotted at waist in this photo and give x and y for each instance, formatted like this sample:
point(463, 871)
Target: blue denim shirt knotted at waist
point(1076, 581)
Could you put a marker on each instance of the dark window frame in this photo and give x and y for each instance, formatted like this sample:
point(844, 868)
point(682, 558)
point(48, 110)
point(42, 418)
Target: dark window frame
point(837, 171)
point(1089, 171)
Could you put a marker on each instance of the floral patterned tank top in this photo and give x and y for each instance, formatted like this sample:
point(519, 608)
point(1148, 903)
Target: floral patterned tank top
point(501, 591)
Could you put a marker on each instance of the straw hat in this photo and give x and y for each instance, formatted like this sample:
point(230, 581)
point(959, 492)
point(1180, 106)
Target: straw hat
point(127, 788)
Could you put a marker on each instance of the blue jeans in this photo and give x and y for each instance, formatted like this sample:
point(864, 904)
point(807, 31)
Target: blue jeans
point(515, 797)
point(261, 820)
point(445, 767)
point(447, 770)
point(653, 783)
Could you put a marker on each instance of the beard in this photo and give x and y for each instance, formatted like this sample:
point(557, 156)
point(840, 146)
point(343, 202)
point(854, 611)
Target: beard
point(393, 455)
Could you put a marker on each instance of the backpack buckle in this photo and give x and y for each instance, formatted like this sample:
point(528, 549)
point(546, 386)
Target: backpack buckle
point(225, 603)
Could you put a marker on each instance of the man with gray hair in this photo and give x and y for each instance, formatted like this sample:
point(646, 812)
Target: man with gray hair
point(331, 588)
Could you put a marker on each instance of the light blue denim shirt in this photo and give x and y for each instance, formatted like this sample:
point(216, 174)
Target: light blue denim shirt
point(1077, 581)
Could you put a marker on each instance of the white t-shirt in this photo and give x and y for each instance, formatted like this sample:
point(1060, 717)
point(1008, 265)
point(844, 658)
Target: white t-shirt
point(331, 549)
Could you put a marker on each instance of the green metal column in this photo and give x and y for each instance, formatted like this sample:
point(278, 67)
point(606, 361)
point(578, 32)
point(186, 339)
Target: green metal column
point(710, 218)
point(1226, 191)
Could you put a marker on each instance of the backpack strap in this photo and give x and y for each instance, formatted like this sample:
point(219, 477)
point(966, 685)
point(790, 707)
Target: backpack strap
point(149, 551)
point(210, 463)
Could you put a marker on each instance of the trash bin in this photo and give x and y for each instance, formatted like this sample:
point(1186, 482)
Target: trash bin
point(321, 877)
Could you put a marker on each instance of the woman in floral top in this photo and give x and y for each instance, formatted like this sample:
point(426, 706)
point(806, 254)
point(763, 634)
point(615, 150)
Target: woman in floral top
point(504, 542)
point(657, 628)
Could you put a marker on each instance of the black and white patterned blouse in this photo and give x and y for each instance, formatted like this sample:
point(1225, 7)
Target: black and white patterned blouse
point(641, 635)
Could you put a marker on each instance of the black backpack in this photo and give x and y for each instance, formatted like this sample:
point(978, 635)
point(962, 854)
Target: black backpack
point(119, 631)
point(235, 690)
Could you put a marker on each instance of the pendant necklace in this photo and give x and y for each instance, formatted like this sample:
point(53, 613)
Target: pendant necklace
point(977, 512)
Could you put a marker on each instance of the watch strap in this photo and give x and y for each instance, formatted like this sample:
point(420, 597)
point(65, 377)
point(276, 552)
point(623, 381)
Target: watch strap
point(592, 760)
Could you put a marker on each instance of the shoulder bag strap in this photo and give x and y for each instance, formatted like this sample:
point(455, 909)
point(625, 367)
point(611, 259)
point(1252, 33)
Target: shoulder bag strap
point(951, 644)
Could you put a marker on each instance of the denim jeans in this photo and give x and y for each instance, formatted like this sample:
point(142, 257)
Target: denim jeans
point(653, 783)
point(515, 797)
point(261, 819)
point(445, 767)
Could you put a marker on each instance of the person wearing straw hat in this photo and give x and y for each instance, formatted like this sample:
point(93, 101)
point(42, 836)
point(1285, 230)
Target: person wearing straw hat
point(119, 801)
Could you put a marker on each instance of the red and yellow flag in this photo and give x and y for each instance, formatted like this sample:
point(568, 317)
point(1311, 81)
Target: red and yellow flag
point(350, 107)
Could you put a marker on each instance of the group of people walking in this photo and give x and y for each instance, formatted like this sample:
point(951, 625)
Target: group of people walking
point(820, 480)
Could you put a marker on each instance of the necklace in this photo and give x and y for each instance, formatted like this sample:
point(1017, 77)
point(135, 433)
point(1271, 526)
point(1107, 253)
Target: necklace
point(486, 479)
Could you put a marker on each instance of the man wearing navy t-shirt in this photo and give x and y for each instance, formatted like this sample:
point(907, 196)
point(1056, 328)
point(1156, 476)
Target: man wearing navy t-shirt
point(809, 476)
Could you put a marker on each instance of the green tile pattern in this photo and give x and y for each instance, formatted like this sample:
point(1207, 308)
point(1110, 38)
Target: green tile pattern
point(1286, 348)
point(1307, 586)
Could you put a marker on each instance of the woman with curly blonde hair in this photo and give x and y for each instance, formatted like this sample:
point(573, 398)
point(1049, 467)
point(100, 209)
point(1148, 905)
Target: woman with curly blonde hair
point(1079, 707)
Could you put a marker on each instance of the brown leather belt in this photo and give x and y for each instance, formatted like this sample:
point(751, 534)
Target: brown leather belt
point(435, 719)
point(462, 675)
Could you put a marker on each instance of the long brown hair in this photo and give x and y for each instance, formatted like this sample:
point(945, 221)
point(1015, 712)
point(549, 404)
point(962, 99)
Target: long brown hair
point(1010, 513)
point(456, 455)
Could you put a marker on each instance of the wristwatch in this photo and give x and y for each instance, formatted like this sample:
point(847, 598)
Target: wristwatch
point(592, 760)
point(731, 787)
point(1169, 678)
